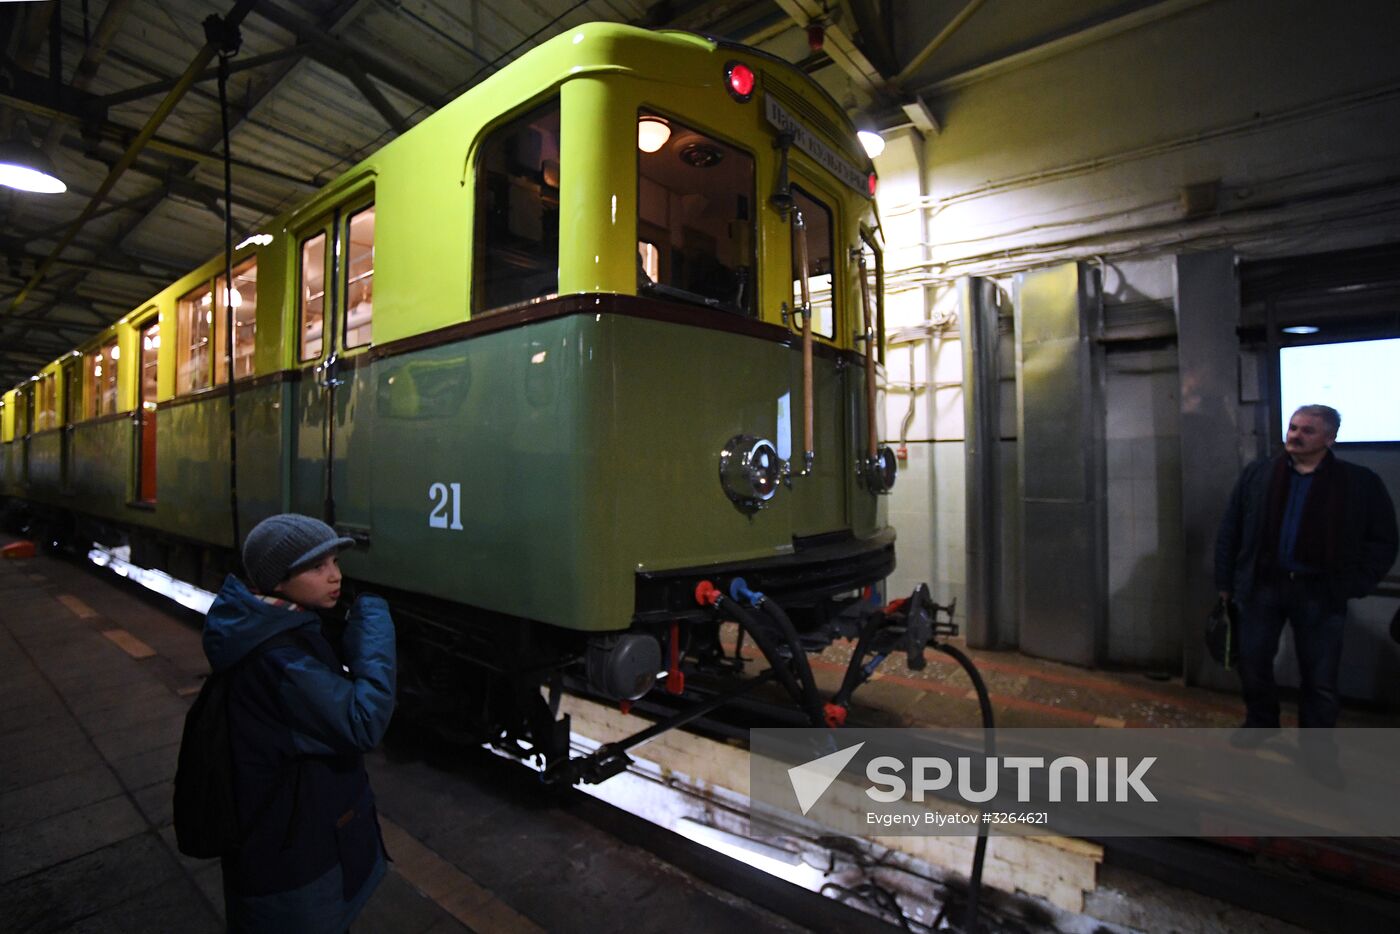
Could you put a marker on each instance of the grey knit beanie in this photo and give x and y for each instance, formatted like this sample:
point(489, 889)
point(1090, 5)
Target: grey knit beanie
point(279, 546)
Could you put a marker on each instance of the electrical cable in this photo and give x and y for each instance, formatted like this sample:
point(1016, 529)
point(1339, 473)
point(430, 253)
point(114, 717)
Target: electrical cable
point(979, 856)
point(228, 43)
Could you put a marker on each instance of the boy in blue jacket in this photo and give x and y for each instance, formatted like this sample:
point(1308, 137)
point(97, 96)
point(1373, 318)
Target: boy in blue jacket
point(300, 720)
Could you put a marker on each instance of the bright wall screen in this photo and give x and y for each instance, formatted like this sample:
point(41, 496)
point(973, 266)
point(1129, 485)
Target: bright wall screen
point(1360, 379)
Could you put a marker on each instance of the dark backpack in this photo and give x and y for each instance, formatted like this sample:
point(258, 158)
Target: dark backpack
point(205, 808)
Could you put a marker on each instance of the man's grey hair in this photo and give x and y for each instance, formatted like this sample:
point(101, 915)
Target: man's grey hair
point(1331, 416)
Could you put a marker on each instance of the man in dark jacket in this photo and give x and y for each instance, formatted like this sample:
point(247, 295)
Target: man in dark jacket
point(1303, 533)
point(301, 717)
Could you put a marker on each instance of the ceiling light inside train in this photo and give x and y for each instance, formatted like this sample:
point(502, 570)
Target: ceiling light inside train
point(652, 133)
point(873, 142)
point(25, 168)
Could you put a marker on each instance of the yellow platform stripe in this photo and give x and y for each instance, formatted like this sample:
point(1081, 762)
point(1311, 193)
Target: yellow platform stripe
point(129, 643)
point(454, 891)
point(77, 607)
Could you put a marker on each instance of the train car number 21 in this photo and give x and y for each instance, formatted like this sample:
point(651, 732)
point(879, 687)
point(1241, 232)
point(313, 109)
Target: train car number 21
point(445, 496)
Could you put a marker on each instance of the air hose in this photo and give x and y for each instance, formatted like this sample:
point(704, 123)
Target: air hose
point(810, 699)
point(754, 627)
point(749, 622)
point(804, 666)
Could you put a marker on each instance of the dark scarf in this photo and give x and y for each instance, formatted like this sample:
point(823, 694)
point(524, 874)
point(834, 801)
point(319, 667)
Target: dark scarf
point(1322, 515)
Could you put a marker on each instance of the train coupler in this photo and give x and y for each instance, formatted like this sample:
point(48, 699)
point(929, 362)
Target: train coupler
point(909, 625)
point(599, 766)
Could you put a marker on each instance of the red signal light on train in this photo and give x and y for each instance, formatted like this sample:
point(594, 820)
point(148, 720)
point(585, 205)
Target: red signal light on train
point(870, 183)
point(740, 80)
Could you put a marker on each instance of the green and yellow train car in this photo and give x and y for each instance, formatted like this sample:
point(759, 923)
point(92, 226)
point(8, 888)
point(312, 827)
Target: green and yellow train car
point(542, 356)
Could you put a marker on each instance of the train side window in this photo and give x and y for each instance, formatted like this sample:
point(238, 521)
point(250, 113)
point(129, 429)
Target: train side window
point(245, 319)
point(359, 277)
point(695, 218)
point(194, 330)
point(312, 293)
point(517, 211)
point(820, 267)
point(47, 403)
point(100, 381)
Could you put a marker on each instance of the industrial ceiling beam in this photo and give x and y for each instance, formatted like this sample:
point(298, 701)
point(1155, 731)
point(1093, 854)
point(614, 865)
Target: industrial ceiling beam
point(141, 203)
point(839, 44)
point(125, 136)
point(351, 68)
point(201, 59)
point(93, 265)
point(34, 28)
point(107, 27)
point(1092, 29)
point(297, 25)
point(936, 43)
point(160, 87)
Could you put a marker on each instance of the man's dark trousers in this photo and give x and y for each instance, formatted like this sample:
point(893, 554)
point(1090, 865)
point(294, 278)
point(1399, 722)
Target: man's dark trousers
point(1317, 637)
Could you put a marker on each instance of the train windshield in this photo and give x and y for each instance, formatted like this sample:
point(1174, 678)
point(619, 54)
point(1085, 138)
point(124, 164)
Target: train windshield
point(695, 223)
point(517, 194)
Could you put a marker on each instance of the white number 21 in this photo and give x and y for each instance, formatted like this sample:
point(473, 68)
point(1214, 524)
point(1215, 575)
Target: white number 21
point(438, 493)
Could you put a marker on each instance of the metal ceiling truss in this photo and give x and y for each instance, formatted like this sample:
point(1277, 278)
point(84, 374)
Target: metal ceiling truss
point(74, 118)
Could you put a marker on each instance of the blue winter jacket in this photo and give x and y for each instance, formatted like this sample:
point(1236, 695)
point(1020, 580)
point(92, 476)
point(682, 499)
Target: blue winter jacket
point(300, 722)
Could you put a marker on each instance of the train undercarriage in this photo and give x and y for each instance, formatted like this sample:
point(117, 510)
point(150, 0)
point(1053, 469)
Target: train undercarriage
point(477, 677)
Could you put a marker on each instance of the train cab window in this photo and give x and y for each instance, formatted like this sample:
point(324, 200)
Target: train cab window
point(820, 252)
point(194, 352)
point(100, 381)
point(312, 296)
point(47, 407)
point(245, 319)
point(695, 223)
point(359, 277)
point(517, 211)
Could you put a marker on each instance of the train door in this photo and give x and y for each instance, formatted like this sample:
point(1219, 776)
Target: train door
point(332, 417)
point(144, 418)
point(70, 408)
point(817, 255)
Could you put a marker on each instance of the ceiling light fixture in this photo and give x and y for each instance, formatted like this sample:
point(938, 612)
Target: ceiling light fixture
point(26, 168)
point(1302, 329)
point(873, 142)
point(652, 133)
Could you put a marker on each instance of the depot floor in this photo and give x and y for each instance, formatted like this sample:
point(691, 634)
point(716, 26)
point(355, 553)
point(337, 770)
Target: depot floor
point(93, 693)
